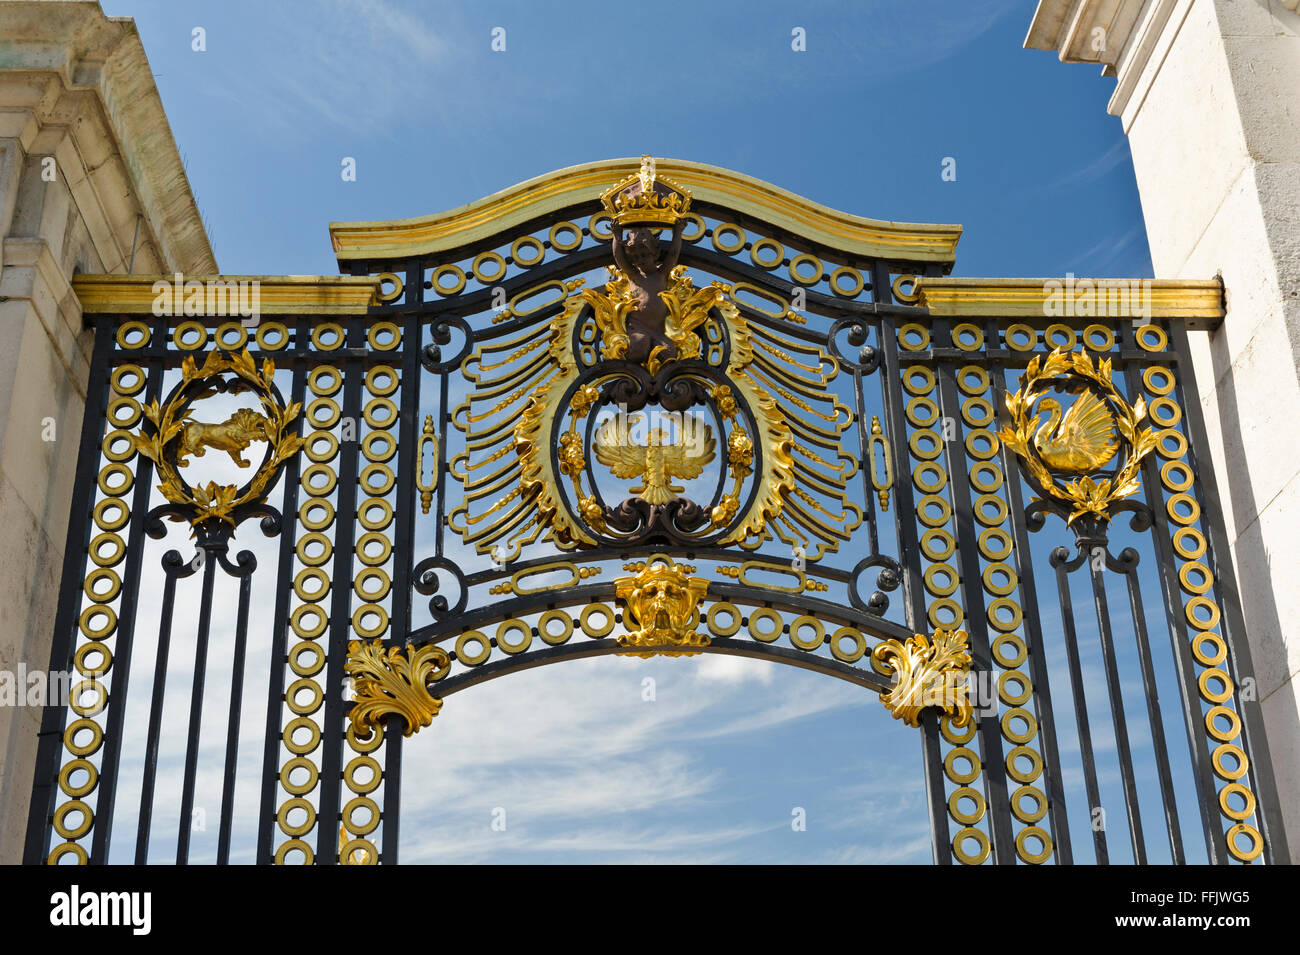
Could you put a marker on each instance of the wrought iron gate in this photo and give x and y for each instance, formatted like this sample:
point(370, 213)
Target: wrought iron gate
point(771, 429)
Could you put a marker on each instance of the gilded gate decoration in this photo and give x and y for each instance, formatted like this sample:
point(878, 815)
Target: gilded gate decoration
point(649, 407)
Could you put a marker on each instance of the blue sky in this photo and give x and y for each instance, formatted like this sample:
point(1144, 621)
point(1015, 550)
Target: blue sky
point(860, 121)
point(586, 768)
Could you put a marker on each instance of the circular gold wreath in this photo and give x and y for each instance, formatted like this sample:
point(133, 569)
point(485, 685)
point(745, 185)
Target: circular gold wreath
point(213, 500)
point(1083, 495)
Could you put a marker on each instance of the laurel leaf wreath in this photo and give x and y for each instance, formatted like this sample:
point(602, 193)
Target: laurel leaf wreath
point(1084, 495)
point(213, 500)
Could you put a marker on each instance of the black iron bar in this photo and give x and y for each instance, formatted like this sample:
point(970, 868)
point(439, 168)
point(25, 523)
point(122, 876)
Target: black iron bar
point(266, 821)
point(409, 461)
point(989, 730)
point(174, 568)
point(1022, 553)
point(196, 707)
point(891, 374)
point(49, 747)
point(1116, 694)
point(1219, 554)
point(1080, 708)
point(1153, 714)
point(340, 623)
point(866, 455)
point(126, 618)
point(247, 564)
point(1170, 588)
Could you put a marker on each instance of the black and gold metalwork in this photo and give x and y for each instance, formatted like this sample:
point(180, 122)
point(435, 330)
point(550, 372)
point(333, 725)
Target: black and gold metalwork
point(648, 407)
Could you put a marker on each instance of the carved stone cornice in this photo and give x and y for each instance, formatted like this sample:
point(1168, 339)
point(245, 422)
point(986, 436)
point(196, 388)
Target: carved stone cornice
point(78, 86)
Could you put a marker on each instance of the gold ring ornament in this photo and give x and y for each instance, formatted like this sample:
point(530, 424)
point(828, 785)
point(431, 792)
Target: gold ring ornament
point(174, 435)
point(1066, 454)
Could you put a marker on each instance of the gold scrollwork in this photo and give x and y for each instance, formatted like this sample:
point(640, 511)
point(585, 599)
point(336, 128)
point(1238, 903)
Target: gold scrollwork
point(525, 385)
point(880, 482)
point(928, 672)
point(394, 681)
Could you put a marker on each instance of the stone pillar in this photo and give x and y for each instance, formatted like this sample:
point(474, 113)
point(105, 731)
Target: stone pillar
point(89, 178)
point(1208, 92)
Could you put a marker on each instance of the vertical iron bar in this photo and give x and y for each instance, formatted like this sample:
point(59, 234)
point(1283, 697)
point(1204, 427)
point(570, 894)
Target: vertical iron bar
point(990, 734)
point(909, 556)
point(1080, 706)
point(1115, 693)
point(1269, 810)
point(340, 626)
point(174, 568)
point(1170, 588)
point(1054, 784)
point(136, 544)
point(1153, 714)
point(866, 455)
point(280, 620)
point(409, 462)
point(196, 707)
point(236, 704)
point(443, 417)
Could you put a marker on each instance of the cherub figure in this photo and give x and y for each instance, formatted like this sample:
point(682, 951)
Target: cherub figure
point(640, 256)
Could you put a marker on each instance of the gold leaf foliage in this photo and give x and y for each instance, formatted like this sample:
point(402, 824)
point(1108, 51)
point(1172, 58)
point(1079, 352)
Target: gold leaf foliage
point(396, 681)
point(928, 672)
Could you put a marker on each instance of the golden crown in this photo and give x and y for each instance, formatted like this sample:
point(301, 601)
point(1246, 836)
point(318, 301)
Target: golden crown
point(646, 198)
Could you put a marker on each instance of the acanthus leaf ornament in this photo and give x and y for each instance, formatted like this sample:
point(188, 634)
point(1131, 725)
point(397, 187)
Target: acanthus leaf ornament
point(394, 681)
point(928, 671)
point(1064, 455)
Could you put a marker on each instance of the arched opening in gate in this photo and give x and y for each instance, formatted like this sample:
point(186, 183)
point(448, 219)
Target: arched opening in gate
point(715, 758)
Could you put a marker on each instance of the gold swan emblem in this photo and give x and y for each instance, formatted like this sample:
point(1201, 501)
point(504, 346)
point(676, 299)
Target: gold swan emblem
point(1082, 440)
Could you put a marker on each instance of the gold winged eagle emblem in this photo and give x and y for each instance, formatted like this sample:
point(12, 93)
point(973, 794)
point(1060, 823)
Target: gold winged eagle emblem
point(656, 462)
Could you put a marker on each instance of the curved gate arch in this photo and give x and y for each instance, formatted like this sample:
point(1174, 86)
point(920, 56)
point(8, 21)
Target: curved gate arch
point(656, 407)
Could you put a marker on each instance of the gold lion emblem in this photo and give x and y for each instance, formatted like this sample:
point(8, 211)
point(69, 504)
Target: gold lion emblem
point(233, 436)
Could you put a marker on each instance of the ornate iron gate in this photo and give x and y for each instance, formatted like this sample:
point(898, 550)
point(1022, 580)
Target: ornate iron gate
point(773, 430)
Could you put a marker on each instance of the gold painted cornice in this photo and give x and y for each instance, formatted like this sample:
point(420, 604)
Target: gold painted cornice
point(1015, 298)
point(278, 294)
point(512, 207)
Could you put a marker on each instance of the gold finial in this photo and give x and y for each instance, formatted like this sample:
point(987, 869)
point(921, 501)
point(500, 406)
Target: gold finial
point(647, 174)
